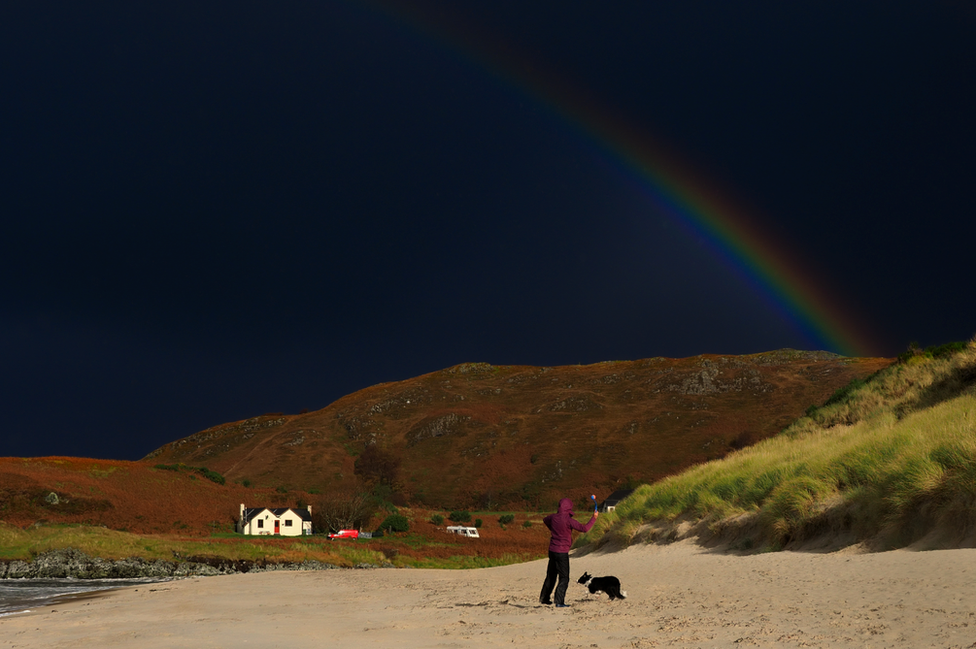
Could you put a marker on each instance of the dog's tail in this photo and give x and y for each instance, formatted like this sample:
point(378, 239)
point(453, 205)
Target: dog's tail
point(623, 594)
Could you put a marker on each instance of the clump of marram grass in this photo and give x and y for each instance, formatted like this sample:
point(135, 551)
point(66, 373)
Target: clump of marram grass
point(920, 379)
point(875, 459)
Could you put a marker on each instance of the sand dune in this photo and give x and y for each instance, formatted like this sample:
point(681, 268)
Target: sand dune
point(679, 595)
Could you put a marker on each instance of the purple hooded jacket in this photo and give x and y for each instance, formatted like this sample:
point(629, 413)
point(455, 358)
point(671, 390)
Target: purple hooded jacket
point(562, 525)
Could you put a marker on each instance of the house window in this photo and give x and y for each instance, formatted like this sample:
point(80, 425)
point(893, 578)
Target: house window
point(287, 522)
point(260, 522)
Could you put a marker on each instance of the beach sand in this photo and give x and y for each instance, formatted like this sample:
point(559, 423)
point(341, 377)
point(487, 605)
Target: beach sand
point(679, 596)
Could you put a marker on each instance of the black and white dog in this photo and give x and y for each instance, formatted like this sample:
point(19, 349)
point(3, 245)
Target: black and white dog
point(608, 585)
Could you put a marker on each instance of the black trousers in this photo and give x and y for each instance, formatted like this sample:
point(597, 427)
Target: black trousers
point(558, 567)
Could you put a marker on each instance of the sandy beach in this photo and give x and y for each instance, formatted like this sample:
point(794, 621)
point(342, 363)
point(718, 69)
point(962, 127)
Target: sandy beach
point(679, 596)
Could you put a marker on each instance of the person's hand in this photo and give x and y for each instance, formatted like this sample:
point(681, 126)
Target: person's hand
point(596, 514)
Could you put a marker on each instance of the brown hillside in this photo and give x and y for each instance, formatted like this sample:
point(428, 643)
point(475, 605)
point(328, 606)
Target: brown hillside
point(182, 504)
point(120, 495)
point(477, 435)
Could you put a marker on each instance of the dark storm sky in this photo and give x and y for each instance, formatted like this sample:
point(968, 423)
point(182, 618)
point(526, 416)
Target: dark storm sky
point(213, 210)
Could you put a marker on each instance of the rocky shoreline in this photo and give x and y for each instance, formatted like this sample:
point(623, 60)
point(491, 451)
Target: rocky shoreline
point(71, 563)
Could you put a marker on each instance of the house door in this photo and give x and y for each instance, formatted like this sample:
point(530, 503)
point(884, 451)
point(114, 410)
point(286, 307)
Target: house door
point(277, 527)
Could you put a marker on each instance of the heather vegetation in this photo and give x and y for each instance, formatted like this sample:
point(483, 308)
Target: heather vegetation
point(212, 476)
point(887, 461)
point(497, 438)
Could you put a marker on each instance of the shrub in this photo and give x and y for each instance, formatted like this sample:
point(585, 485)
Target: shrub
point(460, 517)
point(212, 476)
point(937, 351)
point(395, 523)
point(527, 524)
point(913, 350)
point(505, 519)
point(437, 519)
point(477, 522)
point(947, 350)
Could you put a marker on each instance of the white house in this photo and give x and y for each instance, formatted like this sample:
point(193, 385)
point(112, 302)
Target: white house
point(280, 521)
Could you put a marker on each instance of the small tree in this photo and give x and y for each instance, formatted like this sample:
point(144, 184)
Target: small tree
point(437, 519)
point(395, 523)
point(505, 519)
point(460, 517)
point(341, 511)
point(477, 522)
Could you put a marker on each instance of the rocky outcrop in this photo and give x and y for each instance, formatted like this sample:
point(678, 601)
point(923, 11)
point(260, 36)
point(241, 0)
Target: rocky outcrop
point(59, 564)
point(448, 424)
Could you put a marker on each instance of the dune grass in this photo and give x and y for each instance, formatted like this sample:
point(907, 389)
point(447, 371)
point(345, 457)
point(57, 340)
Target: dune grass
point(887, 458)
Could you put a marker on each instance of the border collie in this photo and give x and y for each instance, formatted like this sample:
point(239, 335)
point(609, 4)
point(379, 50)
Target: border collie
point(608, 585)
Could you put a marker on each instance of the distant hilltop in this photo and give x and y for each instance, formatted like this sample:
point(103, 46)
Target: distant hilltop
point(494, 437)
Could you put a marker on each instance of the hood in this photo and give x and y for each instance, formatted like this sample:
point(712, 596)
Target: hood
point(566, 506)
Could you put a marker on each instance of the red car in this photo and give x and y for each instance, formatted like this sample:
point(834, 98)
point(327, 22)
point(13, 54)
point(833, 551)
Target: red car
point(345, 534)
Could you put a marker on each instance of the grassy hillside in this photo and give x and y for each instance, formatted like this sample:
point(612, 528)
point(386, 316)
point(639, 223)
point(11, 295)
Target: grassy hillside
point(888, 461)
point(426, 545)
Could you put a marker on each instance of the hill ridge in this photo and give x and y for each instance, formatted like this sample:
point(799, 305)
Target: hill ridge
point(491, 436)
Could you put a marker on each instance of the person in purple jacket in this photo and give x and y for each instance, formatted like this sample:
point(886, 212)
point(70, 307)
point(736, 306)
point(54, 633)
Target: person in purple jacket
point(561, 524)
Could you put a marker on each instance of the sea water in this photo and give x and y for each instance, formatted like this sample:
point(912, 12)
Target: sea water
point(21, 595)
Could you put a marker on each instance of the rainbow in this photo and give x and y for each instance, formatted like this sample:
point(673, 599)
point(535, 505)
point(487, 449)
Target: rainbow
point(673, 186)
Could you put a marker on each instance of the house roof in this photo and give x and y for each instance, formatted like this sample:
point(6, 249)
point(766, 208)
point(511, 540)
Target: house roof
point(252, 512)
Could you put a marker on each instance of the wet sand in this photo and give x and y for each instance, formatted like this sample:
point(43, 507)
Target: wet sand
point(678, 595)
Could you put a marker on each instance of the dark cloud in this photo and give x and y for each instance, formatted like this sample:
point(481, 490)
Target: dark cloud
point(222, 209)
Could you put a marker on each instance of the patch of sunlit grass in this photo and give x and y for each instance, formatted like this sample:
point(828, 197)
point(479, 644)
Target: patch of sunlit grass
point(878, 451)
